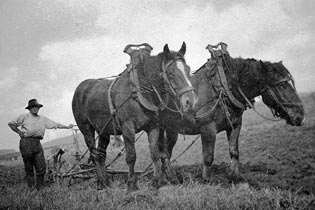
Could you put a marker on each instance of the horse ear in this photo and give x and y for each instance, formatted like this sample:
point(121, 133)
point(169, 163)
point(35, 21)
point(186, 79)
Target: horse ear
point(263, 66)
point(166, 50)
point(182, 50)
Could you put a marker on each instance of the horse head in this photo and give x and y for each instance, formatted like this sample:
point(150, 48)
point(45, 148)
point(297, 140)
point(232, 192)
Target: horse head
point(176, 74)
point(279, 93)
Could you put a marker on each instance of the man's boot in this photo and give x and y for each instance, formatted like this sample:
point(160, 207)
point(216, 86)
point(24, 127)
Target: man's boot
point(30, 181)
point(40, 182)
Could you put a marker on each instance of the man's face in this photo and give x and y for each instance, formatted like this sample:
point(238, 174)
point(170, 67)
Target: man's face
point(34, 110)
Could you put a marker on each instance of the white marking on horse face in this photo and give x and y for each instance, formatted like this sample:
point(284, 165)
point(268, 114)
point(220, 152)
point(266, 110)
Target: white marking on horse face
point(181, 67)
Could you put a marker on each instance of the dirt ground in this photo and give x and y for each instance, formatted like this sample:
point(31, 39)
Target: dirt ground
point(272, 154)
point(278, 156)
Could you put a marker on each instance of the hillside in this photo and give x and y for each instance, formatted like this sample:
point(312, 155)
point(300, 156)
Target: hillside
point(67, 140)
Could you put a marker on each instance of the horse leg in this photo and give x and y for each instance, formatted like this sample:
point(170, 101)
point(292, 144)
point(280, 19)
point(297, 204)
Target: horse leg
point(233, 135)
point(168, 144)
point(171, 139)
point(208, 137)
point(128, 131)
point(89, 136)
point(100, 161)
point(153, 137)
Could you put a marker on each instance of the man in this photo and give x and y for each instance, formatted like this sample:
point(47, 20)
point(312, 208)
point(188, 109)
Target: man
point(31, 128)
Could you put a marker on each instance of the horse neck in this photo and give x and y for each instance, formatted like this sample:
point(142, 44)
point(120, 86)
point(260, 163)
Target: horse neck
point(149, 71)
point(202, 86)
point(248, 74)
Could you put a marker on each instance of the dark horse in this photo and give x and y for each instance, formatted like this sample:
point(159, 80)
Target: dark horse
point(133, 102)
point(225, 86)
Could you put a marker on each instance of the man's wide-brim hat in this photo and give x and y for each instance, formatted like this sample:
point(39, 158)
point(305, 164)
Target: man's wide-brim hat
point(33, 103)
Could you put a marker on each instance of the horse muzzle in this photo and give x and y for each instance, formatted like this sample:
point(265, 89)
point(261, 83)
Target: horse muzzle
point(188, 101)
point(295, 116)
point(296, 121)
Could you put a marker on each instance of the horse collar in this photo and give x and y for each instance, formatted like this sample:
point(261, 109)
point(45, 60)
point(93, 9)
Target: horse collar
point(224, 84)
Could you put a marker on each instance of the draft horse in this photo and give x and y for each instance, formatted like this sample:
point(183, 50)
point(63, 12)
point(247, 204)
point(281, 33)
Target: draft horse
point(225, 86)
point(131, 103)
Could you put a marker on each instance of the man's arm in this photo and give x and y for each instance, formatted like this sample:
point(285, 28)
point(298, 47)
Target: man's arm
point(16, 129)
point(60, 126)
point(50, 124)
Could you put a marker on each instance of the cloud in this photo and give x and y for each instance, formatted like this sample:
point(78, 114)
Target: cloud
point(263, 30)
point(9, 80)
point(84, 58)
point(79, 39)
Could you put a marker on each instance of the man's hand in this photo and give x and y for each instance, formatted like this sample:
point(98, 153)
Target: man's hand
point(70, 126)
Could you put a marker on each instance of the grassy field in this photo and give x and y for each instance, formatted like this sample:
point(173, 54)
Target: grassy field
point(277, 161)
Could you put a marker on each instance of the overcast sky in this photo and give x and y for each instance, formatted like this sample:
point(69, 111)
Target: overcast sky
point(47, 47)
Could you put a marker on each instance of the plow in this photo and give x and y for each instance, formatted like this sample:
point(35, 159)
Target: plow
point(60, 168)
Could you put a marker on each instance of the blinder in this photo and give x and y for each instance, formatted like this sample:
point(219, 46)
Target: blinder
point(271, 91)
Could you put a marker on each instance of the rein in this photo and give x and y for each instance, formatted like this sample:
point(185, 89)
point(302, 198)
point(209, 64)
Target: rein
point(163, 104)
point(251, 105)
point(219, 55)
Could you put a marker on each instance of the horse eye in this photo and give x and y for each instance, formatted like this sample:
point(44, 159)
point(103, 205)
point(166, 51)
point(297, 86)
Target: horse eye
point(170, 73)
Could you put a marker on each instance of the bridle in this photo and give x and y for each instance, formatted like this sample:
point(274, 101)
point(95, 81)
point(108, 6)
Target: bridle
point(271, 91)
point(174, 92)
point(168, 82)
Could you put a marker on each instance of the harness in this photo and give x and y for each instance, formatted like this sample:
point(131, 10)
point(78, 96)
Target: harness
point(219, 82)
point(138, 53)
point(216, 61)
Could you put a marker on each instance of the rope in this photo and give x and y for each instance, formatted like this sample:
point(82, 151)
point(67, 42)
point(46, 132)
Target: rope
point(253, 107)
point(116, 158)
point(112, 117)
point(77, 161)
point(122, 151)
point(174, 160)
point(227, 114)
point(178, 156)
point(106, 124)
point(248, 101)
point(164, 105)
point(210, 110)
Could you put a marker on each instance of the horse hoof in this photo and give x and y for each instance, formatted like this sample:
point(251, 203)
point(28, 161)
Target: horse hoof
point(102, 185)
point(235, 179)
point(210, 180)
point(131, 189)
point(175, 181)
point(155, 183)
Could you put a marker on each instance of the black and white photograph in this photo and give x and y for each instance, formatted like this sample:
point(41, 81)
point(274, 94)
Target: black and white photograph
point(162, 104)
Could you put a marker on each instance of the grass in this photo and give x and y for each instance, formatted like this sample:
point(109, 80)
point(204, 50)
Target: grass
point(188, 196)
point(286, 151)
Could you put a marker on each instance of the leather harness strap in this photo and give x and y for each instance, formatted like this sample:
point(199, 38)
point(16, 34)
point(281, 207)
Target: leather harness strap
point(227, 90)
point(217, 55)
point(136, 89)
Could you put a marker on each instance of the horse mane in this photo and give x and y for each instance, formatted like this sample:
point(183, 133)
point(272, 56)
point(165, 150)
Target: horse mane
point(150, 70)
point(250, 69)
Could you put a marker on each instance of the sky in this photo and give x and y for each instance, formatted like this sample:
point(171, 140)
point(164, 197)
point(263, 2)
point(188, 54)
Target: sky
point(47, 47)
